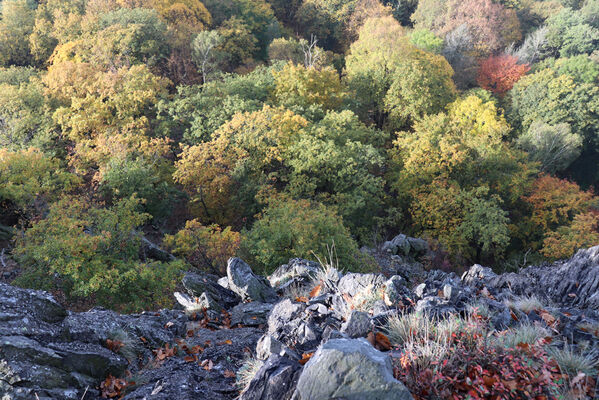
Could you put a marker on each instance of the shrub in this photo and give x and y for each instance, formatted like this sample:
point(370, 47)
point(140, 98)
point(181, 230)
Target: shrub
point(465, 365)
point(299, 228)
point(204, 247)
point(29, 178)
point(83, 250)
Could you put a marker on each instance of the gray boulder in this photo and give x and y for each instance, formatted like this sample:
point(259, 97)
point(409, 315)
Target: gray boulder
point(395, 293)
point(250, 314)
point(357, 325)
point(296, 272)
point(247, 284)
point(405, 245)
point(275, 380)
point(268, 345)
point(198, 284)
point(350, 369)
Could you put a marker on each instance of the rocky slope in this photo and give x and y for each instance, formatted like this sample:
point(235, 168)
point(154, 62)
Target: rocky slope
point(310, 329)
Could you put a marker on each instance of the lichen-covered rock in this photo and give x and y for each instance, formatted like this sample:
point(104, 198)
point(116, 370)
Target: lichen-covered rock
point(247, 284)
point(350, 369)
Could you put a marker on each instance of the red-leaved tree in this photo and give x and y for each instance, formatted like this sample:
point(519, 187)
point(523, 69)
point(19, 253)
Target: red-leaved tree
point(499, 73)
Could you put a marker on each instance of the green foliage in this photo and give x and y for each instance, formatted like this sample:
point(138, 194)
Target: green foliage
point(299, 88)
point(571, 33)
point(29, 179)
point(256, 14)
point(125, 177)
point(370, 65)
point(299, 228)
point(554, 147)
point(421, 85)
point(88, 251)
point(553, 98)
point(288, 50)
point(15, 27)
point(427, 40)
point(582, 68)
point(337, 162)
point(196, 112)
point(25, 110)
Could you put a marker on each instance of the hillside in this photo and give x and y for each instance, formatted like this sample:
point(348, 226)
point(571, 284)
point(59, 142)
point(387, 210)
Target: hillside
point(146, 141)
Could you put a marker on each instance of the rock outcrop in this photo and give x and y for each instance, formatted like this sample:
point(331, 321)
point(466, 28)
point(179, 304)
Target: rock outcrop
point(315, 347)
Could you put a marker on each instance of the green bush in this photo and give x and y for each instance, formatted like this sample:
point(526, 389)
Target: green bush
point(86, 251)
point(300, 228)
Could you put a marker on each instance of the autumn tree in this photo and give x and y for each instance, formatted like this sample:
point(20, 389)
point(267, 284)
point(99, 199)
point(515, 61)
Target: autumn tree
point(56, 22)
point(498, 74)
point(563, 217)
point(583, 232)
point(223, 176)
point(492, 26)
point(300, 89)
point(452, 168)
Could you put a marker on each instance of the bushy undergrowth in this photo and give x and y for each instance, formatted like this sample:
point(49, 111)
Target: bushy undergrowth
point(460, 358)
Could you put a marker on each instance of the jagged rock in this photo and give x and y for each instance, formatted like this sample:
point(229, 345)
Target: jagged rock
point(282, 313)
point(434, 307)
point(30, 313)
point(357, 324)
point(296, 272)
point(224, 282)
point(98, 324)
point(275, 380)
point(250, 314)
point(268, 345)
point(354, 283)
point(286, 323)
point(197, 284)
point(568, 283)
point(395, 293)
point(350, 369)
point(177, 379)
point(477, 274)
point(247, 284)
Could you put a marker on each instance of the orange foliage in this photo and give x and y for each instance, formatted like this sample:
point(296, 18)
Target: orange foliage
point(498, 74)
point(556, 202)
point(565, 241)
